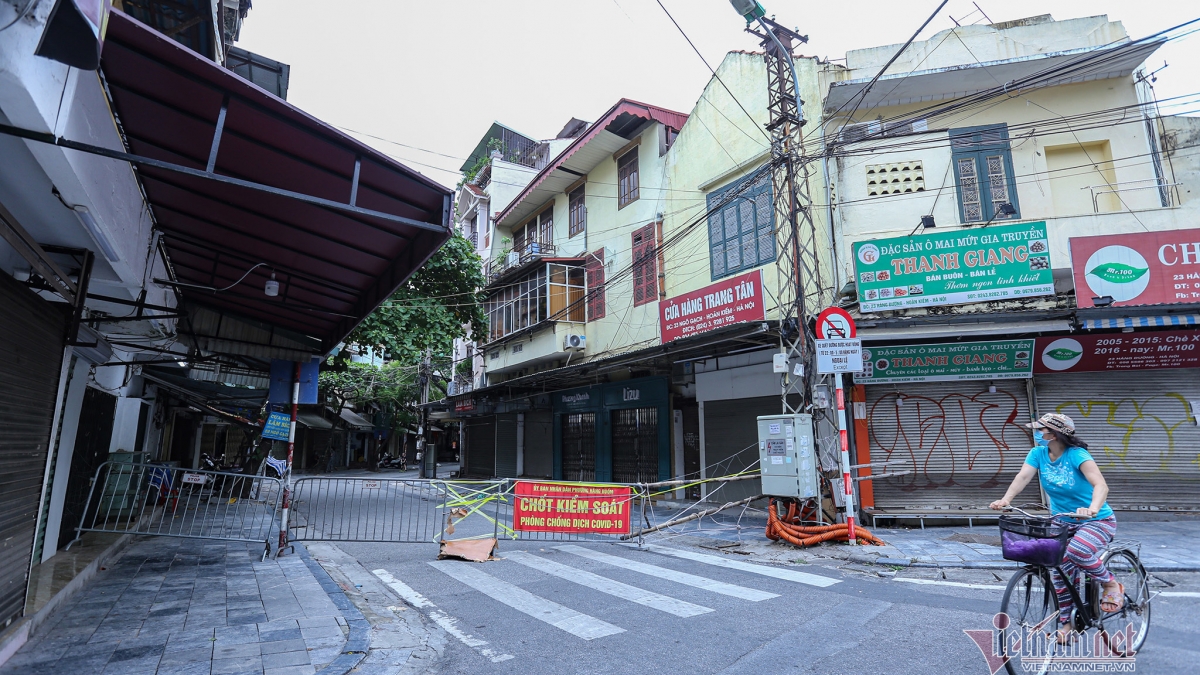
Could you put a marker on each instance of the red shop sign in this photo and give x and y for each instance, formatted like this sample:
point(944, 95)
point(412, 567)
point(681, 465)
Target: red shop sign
point(729, 301)
point(1146, 268)
point(571, 507)
point(1117, 352)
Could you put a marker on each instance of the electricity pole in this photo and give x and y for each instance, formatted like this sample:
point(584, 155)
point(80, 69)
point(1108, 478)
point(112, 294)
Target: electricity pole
point(428, 467)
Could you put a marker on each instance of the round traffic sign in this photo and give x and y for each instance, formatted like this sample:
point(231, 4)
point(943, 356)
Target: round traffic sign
point(835, 323)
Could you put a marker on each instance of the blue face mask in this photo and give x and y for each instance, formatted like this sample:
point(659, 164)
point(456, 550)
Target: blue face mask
point(1041, 442)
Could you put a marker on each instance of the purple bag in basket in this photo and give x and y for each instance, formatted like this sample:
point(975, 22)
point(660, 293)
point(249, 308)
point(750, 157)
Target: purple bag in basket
point(1036, 541)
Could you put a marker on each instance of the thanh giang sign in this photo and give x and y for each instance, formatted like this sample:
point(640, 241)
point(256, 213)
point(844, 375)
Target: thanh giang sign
point(1002, 360)
point(954, 268)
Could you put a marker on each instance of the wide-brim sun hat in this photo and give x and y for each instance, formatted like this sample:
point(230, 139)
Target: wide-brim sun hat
point(1055, 422)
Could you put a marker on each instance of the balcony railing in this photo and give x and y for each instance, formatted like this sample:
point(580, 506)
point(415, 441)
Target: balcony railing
point(517, 258)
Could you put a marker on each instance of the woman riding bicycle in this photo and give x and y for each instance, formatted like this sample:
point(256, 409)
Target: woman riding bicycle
point(1077, 490)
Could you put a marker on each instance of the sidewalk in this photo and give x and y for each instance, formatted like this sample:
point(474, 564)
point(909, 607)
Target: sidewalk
point(189, 607)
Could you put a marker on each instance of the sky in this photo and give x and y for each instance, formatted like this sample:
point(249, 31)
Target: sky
point(430, 76)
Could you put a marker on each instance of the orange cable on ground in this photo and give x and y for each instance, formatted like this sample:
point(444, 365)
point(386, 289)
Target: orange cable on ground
point(790, 530)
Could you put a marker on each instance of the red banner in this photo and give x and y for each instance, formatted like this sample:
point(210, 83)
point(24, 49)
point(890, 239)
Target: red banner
point(1117, 351)
point(729, 301)
point(1146, 268)
point(566, 507)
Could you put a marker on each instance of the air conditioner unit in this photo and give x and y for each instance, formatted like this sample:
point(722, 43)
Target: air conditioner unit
point(575, 343)
point(513, 258)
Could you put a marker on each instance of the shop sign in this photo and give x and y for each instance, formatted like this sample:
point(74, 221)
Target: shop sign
point(1003, 360)
point(464, 405)
point(571, 507)
point(577, 399)
point(954, 268)
point(1146, 268)
point(1118, 351)
point(278, 426)
point(729, 301)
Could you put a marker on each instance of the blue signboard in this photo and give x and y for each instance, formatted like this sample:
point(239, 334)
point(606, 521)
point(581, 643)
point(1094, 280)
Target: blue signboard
point(278, 426)
point(282, 373)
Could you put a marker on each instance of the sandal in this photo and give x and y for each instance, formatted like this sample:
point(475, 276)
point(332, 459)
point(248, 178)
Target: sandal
point(1113, 601)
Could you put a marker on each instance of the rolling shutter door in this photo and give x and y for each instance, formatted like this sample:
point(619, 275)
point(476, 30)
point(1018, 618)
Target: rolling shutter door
point(963, 444)
point(539, 444)
point(31, 340)
point(731, 442)
point(1141, 429)
point(506, 445)
point(481, 447)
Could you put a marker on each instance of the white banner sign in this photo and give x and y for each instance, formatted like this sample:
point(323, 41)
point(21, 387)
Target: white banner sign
point(839, 356)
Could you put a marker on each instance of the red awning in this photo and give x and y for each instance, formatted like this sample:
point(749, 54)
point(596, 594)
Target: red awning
point(236, 177)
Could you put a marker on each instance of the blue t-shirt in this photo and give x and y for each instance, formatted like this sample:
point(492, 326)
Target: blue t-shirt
point(1065, 485)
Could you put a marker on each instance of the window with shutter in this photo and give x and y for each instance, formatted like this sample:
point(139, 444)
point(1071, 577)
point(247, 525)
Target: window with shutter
point(741, 227)
point(983, 172)
point(645, 267)
point(578, 216)
point(627, 179)
point(595, 285)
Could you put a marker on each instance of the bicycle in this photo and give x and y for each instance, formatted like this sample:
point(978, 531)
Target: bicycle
point(1031, 605)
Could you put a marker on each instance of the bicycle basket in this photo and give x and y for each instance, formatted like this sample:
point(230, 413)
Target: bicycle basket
point(1037, 541)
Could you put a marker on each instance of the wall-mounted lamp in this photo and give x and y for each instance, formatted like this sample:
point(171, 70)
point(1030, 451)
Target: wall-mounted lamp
point(899, 401)
point(926, 222)
point(991, 388)
point(1003, 210)
point(1102, 301)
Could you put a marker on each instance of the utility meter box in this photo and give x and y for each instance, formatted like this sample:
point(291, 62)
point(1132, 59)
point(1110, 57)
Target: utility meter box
point(787, 456)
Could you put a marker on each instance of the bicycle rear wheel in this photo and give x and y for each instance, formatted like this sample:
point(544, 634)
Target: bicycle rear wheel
point(1032, 609)
point(1126, 629)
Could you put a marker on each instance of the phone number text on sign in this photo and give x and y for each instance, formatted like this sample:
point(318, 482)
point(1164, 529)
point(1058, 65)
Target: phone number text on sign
point(561, 507)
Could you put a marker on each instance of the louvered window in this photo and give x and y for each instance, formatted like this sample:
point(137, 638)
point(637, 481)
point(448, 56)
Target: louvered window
point(983, 172)
point(741, 227)
point(645, 265)
point(627, 179)
point(595, 285)
point(578, 214)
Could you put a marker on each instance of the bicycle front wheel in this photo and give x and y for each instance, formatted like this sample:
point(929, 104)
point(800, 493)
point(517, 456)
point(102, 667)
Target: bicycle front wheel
point(1126, 629)
point(1031, 608)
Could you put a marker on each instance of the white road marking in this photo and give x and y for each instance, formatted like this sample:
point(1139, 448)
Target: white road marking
point(575, 623)
point(447, 622)
point(956, 584)
point(614, 588)
point(752, 594)
point(1179, 594)
point(774, 572)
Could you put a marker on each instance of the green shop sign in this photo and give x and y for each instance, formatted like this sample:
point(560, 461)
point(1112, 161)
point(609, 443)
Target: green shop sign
point(1005, 360)
point(954, 268)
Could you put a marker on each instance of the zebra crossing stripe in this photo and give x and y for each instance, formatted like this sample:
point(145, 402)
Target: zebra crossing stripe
point(575, 623)
point(751, 594)
point(447, 622)
point(614, 588)
point(762, 570)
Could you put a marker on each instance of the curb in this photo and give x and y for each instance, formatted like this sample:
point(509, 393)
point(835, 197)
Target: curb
point(359, 642)
point(984, 564)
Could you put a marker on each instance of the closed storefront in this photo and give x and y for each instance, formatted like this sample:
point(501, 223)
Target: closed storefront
point(481, 447)
point(31, 339)
point(506, 445)
point(1134, 398)
point(615, 432)
point(539, 444)
point(731, 442)
point(962, 442)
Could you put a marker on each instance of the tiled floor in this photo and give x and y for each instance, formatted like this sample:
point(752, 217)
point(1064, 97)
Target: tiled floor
point(189, 607)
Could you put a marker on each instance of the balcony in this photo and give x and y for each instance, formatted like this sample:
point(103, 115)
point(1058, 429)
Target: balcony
point(549, 292)
point(518, 258)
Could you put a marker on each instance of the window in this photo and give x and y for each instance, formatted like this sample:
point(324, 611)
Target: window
point(535, 236)
point(645, 267)
point(741, 227)
point(595, 285)
point(627, 179)
point(552, 292)
point(578, 213)
point(983, 172)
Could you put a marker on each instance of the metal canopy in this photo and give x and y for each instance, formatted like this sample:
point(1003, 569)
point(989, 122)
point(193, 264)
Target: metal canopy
point(236, 177)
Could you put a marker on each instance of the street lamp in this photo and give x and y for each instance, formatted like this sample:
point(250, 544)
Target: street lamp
point(752, 11)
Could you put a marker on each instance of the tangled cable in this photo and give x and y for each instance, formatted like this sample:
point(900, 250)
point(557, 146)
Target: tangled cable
point(789, 529)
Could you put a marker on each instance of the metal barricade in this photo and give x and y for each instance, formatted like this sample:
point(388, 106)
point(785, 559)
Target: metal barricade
point(155, 499)
point(392, 510)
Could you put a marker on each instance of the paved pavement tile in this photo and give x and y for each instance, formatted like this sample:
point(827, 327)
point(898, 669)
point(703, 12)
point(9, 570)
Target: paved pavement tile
point(244, 664)
point(282, 646)
point(290, 670)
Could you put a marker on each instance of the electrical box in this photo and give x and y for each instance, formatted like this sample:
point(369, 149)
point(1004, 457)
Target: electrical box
point(787, 456)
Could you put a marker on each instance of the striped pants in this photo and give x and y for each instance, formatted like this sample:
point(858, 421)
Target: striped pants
point(1083, 553)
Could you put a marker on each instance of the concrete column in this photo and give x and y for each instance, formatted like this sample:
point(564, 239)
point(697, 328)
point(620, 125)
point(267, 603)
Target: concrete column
point(703, 462)
point(520, 444)
point(125, 425)
point(72, 405)
point(677, 437)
